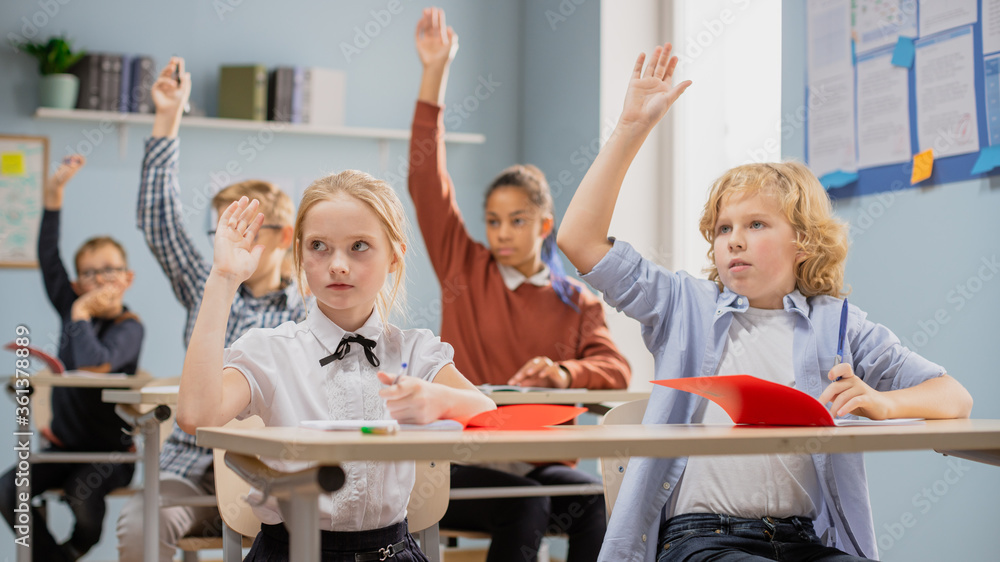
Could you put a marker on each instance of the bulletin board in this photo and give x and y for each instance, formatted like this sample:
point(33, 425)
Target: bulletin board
point(901, 93)
point(22, 177)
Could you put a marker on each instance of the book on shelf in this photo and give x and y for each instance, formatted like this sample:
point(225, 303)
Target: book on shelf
point(280, 86)
point(110, 81)
point(323, 93)
point(125, 86)
point(511, 417)
point(749, 400)
point(243, 92)
point(88, 71)
point(143, 75)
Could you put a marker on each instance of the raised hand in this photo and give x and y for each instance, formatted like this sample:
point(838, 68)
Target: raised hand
point(236, 254)
point(436, 42)
point(55, 185)
point(651, 92)
point(541, 372)
point(172, 88)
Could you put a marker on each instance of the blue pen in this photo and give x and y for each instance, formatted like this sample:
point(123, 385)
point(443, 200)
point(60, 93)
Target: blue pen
point(842, 336)
point(401, 371)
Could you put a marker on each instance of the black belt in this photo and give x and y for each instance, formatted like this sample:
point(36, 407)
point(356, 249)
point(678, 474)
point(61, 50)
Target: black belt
point(382, 553)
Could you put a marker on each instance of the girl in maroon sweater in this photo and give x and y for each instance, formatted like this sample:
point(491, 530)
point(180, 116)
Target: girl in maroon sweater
point(512, 316)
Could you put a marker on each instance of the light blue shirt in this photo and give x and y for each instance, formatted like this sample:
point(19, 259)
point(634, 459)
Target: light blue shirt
point(685, 322)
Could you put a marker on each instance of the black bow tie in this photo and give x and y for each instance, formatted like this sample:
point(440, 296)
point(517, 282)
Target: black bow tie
point(345, 347)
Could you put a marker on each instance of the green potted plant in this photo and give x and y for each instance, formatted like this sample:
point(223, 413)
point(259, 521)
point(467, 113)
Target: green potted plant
point(57, 87)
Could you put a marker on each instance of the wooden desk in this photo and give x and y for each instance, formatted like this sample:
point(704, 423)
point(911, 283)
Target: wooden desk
point(89, 380)
point(148, 396)
point(979, 438)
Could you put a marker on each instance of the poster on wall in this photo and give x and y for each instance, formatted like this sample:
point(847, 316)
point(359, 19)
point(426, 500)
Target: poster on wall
point(918, 98)
point(22, 177)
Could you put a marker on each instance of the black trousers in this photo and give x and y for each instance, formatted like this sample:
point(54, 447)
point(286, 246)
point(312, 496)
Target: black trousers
point(517, 525)
point(85, 485)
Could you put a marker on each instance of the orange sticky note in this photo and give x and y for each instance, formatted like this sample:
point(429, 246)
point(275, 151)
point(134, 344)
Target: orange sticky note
point(12, 164)
point(923, 165)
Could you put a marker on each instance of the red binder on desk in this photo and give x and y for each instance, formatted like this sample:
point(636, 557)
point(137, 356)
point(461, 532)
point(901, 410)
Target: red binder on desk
point(749, 400)
point(752, 401)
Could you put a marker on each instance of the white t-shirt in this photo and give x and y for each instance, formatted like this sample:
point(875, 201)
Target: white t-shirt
point(288, 385)
point(751, 486)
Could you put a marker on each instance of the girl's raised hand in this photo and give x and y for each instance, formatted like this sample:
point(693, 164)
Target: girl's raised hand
point(436, 42)
point(170, 93)
point(236, 254)
point(651, 91)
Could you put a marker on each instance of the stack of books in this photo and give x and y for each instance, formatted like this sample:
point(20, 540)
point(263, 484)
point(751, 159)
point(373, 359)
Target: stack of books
point(115, 82)
point(290, 94)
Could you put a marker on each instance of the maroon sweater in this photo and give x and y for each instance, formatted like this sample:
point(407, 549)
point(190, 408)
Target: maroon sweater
point(494, 330)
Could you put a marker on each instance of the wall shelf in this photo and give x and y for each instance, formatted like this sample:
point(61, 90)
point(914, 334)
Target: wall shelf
point(118, 119)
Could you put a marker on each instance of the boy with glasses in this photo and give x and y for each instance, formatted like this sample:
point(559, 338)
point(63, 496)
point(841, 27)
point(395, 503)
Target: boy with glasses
point(98, 334)
point(268, 298)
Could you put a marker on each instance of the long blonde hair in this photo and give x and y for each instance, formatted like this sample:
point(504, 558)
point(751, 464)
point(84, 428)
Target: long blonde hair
point(383, 201)
point(821, 237)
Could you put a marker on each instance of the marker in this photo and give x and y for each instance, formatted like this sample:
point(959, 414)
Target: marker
point(177, 77)
point(388, 430)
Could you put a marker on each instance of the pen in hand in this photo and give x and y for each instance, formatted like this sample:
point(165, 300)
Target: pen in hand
point(177, 77)
point(402, 370)
point(842, 335)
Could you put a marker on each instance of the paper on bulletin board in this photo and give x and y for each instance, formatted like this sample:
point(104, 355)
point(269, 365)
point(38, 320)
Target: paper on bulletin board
point(883, 110)
point(946, 97)
point(22, 175)
point(991, 26)
point(939, 15)
point(830, 135)
point(878, 23)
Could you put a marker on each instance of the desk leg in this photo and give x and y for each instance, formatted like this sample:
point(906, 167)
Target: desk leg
point(151, 490)
point(302, 512)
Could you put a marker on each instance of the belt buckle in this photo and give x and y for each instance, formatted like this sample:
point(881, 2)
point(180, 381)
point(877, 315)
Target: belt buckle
point(387, 552)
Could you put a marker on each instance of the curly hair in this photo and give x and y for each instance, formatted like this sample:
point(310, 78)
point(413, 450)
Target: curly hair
point(822, 238)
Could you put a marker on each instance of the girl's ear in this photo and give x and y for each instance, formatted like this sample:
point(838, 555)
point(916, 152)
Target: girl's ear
point(547, 223)
point(396, 258)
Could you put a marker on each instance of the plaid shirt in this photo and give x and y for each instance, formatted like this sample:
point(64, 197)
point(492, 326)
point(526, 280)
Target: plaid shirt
point(162, 221)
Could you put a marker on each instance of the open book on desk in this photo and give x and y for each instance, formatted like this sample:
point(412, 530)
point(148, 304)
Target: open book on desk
point(753, 401)
point(514, 416)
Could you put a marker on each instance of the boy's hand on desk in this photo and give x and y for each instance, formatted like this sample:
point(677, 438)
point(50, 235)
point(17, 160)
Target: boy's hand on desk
point(651, 92)
point(56, 184)
point(236, 252)
point(851, 395)
point(410, 400)
point(541, 372)
point(436, 42)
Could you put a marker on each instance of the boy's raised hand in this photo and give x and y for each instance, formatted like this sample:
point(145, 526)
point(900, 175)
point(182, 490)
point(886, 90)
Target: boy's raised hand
point(55, 185)
point(651, 91)
point(436, 42)
point(236, 254)
point(170, 94)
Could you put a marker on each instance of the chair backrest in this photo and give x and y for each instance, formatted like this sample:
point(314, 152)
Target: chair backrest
point(429, 497)
point(231, 490)
point(613, 468)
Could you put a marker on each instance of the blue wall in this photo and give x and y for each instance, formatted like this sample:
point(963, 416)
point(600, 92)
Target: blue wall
point(913, 253)
point(511, 43)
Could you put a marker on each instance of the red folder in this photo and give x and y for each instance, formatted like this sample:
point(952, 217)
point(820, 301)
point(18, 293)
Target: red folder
point(523, 416)
point(749, 400)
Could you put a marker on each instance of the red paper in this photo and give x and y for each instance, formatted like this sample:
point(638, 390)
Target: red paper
point(523, 416)
point(54, 364)
point(749, 400)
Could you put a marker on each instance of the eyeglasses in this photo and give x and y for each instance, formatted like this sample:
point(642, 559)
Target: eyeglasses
point(107, 273)
point(211, 233)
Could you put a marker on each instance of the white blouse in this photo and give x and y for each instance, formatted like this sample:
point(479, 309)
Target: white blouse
point(288, 385)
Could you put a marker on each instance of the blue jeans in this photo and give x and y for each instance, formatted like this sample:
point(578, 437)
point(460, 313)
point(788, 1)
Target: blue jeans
point(716, 537)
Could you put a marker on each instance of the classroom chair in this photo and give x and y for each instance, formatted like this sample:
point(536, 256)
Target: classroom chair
point(613, 468)
point(428, 504)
